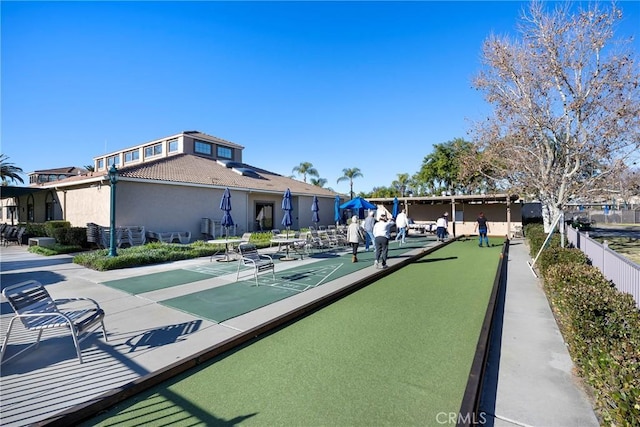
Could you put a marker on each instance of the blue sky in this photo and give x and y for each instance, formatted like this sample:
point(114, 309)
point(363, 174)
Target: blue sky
point(372, 85)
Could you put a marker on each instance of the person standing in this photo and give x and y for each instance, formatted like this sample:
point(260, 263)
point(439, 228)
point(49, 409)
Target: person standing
point(442, 224)
point(368, 229)
point(482, 227)
point(382, 234)
point(402, 223)
point(355, 234)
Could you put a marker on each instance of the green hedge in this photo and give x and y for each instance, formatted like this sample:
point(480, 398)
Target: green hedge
point(35, 229)
point(600, 325)
point(150, 253)
point(51, 226)
point(557, 255)
point(536, 237)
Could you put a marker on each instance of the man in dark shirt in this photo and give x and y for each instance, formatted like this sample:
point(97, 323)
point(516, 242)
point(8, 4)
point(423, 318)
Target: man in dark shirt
point(482, 227)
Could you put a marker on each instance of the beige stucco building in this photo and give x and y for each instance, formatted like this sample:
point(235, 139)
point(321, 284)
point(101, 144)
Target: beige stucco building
point(175, 184)
point(171, 184)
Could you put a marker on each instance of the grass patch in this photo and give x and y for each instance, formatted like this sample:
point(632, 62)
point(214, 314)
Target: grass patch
point(55, 249)
point(150, 253)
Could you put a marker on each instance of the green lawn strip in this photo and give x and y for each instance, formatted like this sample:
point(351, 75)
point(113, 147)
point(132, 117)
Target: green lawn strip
point(156, 281)
point(397, 352)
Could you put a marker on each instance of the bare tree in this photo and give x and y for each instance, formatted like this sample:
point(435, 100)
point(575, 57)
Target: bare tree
point(566, 100)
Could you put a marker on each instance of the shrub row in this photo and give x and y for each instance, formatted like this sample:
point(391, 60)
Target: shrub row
point(600, 325)
point(150, 253)
point(62, 231)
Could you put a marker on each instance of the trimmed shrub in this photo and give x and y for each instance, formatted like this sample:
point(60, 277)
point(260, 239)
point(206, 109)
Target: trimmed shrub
point(35, 229)
point(557, 255)
point(72, 236)
point(536, 237)
point(151, 253)
point(602, 328)
point(51, 226)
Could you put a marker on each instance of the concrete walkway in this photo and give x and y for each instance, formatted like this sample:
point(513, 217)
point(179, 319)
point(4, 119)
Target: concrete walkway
point(529, 377)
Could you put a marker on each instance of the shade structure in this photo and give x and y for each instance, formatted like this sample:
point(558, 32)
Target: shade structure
point(358, 203)
point(315, 217)
point(336, 210)
point(287, 207)
point(225, 206)
point(394, 212)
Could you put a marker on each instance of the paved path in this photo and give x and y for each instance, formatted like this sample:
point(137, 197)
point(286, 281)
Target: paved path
point(529, 378)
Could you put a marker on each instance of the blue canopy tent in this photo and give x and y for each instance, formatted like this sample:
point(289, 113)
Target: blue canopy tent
point(358, 204)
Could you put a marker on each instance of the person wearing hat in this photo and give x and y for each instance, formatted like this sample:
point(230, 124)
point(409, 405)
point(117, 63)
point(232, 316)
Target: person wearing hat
point(441, 227)
point(382, 234)
point(355, 235)
point(369, 222)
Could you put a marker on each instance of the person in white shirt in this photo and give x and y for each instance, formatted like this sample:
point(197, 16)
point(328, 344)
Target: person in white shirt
point(382, 234)
point(402, 222)
point(441, 227)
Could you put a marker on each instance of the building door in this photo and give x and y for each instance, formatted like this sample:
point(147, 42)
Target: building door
point(264, 216)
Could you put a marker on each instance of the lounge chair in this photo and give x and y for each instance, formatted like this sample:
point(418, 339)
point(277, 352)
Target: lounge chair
point(37, 311)
point(259, 263)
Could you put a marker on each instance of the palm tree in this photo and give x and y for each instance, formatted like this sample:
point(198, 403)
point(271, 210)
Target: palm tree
point(9, 172)
point(318, 182)
point(304, 169)
point(89, 168)
point(350, 174)
point(402, 183)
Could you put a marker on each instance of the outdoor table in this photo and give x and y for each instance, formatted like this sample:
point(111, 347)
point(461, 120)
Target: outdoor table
point(287, 242)
point(226, 243)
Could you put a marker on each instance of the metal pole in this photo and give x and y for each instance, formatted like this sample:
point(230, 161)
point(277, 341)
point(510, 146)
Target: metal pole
point(112, 227)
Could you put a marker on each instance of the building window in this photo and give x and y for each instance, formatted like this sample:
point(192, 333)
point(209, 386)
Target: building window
point(224, 152)
point(100, 163)
point(131, 156)
point(173, 145)
point(113, 160)
point(153, 150)
point(202, 147)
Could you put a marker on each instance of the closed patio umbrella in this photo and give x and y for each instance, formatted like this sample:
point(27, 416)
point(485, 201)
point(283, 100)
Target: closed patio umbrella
point(314, 208)
point(336, 210)
point(394, 212)
point(225, 206)
point(286, 209)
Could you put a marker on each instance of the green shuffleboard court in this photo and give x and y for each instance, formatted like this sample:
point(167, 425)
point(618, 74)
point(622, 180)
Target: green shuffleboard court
point(228, 301)
point(156, 281)
point(395, 353)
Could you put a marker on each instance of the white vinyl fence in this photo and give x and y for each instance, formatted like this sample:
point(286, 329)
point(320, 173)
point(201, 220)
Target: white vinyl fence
point(624, 273)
